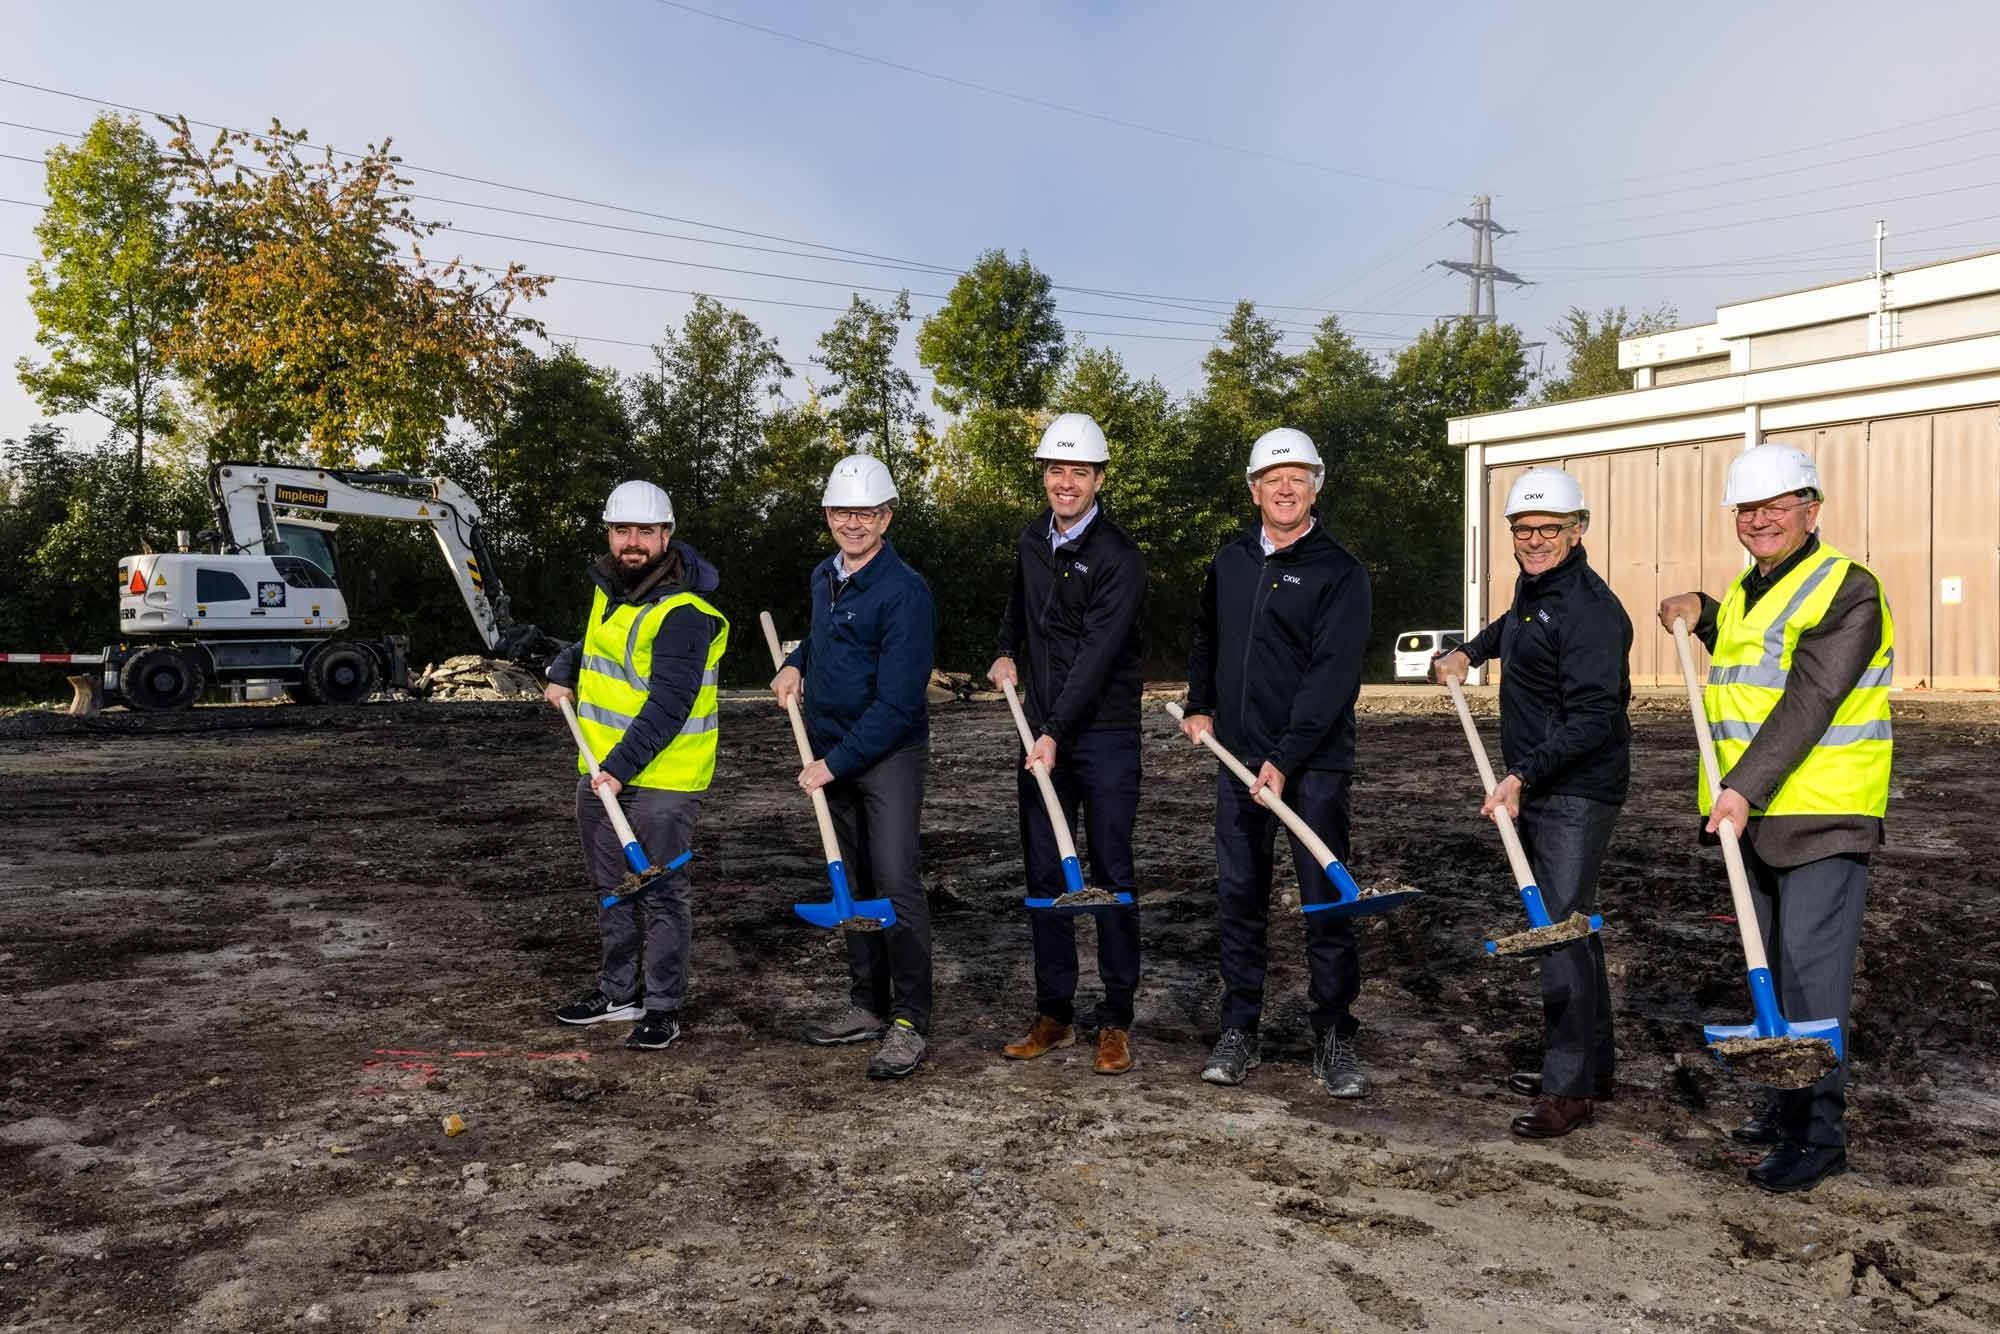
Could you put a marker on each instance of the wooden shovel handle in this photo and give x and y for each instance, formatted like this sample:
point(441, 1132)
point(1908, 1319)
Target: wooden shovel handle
point(1711, 769)
point(829, 845)
point(1065, 843)
point(1272, 801)
point(619, 824)
point(1517, 856)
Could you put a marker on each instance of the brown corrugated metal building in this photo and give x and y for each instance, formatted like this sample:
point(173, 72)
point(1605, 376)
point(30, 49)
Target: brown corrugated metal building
point(1892, 384)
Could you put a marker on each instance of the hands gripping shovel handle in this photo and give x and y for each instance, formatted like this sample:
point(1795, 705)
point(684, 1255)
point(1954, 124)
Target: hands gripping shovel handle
point(643, 870)
point(841, 911)
point(1065, 841)
point(1517, 857)
point(1352, 902)
point(1768, 1022)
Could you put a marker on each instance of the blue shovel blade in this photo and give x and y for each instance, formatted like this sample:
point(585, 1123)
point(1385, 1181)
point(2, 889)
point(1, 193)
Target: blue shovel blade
point(842, 908)
point(1352, 902)
point(1538, 917)
point(1073, 884)
point(1124, 900)
point(647, 875)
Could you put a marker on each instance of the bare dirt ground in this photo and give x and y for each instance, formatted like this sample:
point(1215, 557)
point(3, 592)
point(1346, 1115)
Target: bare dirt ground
point(249, 958)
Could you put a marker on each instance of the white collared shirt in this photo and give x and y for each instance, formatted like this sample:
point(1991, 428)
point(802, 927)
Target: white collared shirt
point(1056, 538)
point(1269, 546)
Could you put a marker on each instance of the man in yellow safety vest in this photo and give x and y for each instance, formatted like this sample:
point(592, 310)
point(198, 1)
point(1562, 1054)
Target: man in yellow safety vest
point(643, 682)
point(1798, 704)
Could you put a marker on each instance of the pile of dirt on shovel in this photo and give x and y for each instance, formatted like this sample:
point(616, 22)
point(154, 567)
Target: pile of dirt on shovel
point(1779, 1063)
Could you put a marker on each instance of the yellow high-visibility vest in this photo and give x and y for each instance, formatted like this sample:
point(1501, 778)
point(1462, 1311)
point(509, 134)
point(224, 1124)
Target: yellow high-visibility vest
point(612, 688)
point(1847, 770)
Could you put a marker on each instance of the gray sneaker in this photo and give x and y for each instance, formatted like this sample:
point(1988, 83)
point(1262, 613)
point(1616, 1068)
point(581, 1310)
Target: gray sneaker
point(1234, 1057)
point(852, 1024)
point(900, 1052)
point(1338, 1067)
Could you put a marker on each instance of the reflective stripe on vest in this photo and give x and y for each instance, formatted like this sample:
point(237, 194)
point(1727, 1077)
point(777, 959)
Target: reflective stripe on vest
point(613, 686)
point(1847, 770)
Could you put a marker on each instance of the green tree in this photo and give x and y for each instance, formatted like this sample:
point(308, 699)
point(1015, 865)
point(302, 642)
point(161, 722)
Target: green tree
point(313, 328)
point(107, 290)
point(699, 412)
point(996, 341)
point(1592, 362)
point(875, 398)
point(563, 440)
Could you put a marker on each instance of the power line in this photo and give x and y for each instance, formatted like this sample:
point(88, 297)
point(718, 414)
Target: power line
point(892, 261)
point(1780, 171)
point(1807, 148)
point(1045, 104)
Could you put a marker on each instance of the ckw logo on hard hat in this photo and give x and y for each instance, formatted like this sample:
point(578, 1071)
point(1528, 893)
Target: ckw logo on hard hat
point(1531, 495)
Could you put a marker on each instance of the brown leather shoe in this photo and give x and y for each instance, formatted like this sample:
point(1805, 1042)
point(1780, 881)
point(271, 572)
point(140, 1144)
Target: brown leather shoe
point(1528, 1083)
point(1552, 1117)
point(1114, 1052)
point(1042, 1039)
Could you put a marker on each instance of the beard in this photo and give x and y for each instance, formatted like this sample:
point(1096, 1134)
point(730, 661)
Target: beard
point(629, 576)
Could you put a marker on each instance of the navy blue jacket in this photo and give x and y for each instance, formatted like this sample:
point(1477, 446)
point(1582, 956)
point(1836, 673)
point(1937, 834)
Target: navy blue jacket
point(867, 662)
point(680, 656)
point(1278, 643)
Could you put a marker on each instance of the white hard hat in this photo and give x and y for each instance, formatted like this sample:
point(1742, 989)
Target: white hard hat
point(858, 481)
point(1073, 438)
point(1545, 491)
point(638, 502)
point(1770, 470)
point(1286, 445)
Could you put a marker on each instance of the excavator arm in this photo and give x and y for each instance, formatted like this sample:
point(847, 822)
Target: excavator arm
point(247, 496)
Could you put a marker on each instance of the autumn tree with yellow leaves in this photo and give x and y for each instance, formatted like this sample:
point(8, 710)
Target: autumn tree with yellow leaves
point(318, 325)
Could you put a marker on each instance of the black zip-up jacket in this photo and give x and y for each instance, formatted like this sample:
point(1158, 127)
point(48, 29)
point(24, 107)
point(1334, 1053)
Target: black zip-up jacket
point(1073, 614)
point(1278, 644)
point(1564, 647)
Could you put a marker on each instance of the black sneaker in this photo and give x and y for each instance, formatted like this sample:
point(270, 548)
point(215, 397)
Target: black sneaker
point(658, 1029)
point(1234, 1057)
point(852, 1024)
point(1338, 1067)
point(597, 1008)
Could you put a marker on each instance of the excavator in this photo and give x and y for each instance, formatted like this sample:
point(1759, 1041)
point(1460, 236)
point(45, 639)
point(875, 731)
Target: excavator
point(260, 601)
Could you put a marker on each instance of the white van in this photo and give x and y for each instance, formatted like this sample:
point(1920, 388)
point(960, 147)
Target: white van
point(1414, 649)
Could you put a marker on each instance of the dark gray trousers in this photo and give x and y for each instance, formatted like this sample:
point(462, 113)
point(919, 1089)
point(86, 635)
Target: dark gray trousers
point(1565, 838)
point(650, 932)
point(1098, 772)
point(1810, 919)
point(875, 816)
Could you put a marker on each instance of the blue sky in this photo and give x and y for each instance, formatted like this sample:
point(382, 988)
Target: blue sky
point(1642, 156)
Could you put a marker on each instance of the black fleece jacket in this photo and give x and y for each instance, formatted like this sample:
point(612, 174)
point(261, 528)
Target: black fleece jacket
point(1278, 645)
point(680, 654)
point(1072, 615)
point(1565, 646)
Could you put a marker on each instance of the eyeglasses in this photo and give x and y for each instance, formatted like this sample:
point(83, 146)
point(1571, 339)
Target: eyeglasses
point(1772, 510)
point(855, 516)
point(1548, 532)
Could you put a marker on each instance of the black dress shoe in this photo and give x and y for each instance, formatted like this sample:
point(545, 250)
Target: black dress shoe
point(1793, 1166)
point(1765, 1126)
point(1528, 1083)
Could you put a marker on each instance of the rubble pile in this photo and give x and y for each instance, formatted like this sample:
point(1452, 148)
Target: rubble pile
point(470, 676)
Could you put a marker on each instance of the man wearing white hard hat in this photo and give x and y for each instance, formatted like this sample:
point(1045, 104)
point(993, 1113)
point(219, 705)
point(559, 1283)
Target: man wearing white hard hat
point(1274, 672)
point(864, 669)
point(1800, 648)
point(1072, 622)
point(1565, 643)
point(643, 682)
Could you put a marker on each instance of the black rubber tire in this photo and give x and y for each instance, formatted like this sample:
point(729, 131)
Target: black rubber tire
point(160, 680)
point(340, 673)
